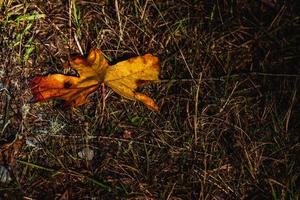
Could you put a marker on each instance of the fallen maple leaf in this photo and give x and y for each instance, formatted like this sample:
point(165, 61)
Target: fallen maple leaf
point(124, 78)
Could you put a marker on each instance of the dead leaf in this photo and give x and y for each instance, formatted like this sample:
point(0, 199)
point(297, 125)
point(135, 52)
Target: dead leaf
point(66, 195)
point(9, 150)
point(124, 78)
point(86, 153)
point(74, 90)
point(4, 175)
point(8, 154)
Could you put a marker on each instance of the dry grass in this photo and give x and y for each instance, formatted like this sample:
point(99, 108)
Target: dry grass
point(229, 122)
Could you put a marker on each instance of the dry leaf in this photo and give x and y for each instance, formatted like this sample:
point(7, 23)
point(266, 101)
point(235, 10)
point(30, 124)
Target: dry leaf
point(9, 150)
point(4, 175)
point(74, 90)
point(86, 153)
point(124, 78)
point(8, 153)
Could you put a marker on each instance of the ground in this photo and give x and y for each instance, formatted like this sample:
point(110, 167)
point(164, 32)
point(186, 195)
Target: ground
point(229, 120)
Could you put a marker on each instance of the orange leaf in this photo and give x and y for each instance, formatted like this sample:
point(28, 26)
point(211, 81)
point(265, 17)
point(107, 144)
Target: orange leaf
point(74, 90)
point(124, 78)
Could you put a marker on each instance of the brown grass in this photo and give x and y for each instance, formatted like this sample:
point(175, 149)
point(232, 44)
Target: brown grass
point(229, 122)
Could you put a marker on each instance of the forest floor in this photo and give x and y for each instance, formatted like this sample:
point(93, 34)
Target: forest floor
point(229, 120)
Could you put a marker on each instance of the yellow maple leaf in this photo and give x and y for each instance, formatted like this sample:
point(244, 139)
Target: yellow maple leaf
point(124, 78)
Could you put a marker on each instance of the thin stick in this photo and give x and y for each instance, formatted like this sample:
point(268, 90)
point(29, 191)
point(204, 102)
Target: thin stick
point(70, 22)
point(78, 44)
point(196, 110)
point(119, 19)
point(103, 92)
